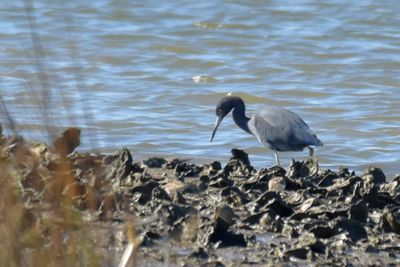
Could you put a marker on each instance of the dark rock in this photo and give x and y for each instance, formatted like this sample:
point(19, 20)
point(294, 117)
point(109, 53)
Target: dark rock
point(226, 238)
point(177, 198)
point(266, 197)
point(328, 179)
point(344, 172)
point(255, 185)
point(224, 217)
point(204, 179)
point(238, 163)
point(280, 207)
point(121, 165)
point(271, 222)
point(173, 163)
point(191, 189)
point(303, 169)
point(294, 185)
point(391, 220)
point(264, 175)
point(145, 188)
point(154, 162)
point(359, 211)
point(199, 253)
point(214, 167)
point(274, 201)
point(172, 213)
point(354, 228)
point(323, 231)
point(374, 176)
point(187, 170)
point(161, 194)
point(241, 156)
point(143, 193)
point(212, 264)
point(221, 182)
point(218, 232)
point(148, 238)
point(299, 253)
point(373, 198)
point(343, 186)
point(254, 218)
point(233, 195)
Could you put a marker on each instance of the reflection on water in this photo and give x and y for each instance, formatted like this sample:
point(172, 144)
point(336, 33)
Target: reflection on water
point(150, 74)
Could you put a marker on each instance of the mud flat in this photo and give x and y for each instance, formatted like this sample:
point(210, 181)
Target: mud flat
point(183, 214)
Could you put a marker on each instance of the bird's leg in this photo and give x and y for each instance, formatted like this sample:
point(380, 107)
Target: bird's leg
point(277, 158)
point(311, 152)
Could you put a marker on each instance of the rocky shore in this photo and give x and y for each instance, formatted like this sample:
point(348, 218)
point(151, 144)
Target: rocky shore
point(183, 214)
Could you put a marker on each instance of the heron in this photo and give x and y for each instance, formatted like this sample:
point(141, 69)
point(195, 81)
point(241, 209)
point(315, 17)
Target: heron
point(274, 127)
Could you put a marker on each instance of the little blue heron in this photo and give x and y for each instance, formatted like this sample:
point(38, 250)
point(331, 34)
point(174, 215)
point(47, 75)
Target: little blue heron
point(275, 127)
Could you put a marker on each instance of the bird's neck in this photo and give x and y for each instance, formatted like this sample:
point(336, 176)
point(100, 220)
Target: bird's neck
point(239, 117)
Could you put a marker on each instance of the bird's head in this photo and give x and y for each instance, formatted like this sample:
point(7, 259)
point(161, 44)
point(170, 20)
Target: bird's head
point(224, 106)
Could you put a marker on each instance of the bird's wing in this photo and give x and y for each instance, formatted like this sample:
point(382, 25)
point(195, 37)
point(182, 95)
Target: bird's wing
point(280, 117)
point(281, 129)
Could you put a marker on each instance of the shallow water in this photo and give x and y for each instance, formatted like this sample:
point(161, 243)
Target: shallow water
point(149, 74)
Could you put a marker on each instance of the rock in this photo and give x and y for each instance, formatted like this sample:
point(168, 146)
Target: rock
point(359, 211)
point(220, 182)
point(280, 207)
point(255, 185)
point(187, 170)
point(299, 253)
point(308, 204)
point(212, 264)
point(355, 229)
point(241, 156)
point(239, 163)
point(154, 162)
point(199, 253)
point(271, 222)
point(277, 184)
point(343, 186)
point(160, 194)
point(391, 220)
point(323, 231)
point(148, 238)
point(172, 213)
point(121, 165)
point(233, 195)
point(215, 167)
point(173, 163)
point(225, 238)
point(374, 176)
point(303, 169)
point(143, 193)
point(254, 218)
point(328, 180)
point(224, 216)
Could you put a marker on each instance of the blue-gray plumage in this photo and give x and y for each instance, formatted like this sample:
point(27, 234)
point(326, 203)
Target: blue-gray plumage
point(275, 127)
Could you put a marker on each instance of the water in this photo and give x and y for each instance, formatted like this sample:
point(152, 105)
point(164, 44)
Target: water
point(151, 72)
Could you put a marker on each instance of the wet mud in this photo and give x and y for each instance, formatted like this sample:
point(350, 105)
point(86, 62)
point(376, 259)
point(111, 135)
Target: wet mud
point(213, 215)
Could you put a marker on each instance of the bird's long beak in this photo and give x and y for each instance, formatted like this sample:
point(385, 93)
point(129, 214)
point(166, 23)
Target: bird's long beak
point(217, 123)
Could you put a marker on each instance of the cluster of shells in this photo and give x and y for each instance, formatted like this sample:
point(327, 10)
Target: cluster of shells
point(220, 214)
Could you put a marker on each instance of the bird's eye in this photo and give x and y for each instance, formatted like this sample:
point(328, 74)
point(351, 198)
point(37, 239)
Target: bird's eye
point(219, 111)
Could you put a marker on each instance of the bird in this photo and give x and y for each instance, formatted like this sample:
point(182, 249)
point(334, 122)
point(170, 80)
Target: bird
point(274, 127)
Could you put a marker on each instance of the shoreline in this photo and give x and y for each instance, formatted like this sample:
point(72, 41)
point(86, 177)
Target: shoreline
point(186, 214)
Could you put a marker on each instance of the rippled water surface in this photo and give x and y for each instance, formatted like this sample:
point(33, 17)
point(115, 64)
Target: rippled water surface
point(147, 74)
